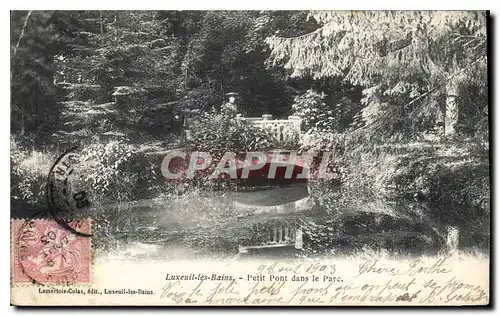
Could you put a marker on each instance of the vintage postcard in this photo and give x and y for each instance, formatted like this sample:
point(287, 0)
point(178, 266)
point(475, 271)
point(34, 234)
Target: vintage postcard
point(243, 158)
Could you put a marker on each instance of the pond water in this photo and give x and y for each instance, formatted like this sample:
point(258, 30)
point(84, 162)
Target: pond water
point(210, 225)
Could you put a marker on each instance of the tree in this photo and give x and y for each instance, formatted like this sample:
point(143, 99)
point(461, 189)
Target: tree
point(129, 72)
point(403, 58)
point(34, 42)
point(225, 52)
point(119, 77)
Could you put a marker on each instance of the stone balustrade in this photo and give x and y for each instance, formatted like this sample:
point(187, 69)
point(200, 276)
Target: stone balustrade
point(282, 129)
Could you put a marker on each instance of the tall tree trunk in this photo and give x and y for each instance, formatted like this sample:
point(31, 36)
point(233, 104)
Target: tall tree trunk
point(101, 22)
point(22, 122)
point(452, 109)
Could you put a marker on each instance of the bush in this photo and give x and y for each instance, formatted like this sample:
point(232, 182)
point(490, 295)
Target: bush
point(109, 171)
point(441, 173)
point(316, 142)
point(219, 133)
point(106, 172)
point(313, 111)
point(29, 170)
point(325, 117)
point(114, 174)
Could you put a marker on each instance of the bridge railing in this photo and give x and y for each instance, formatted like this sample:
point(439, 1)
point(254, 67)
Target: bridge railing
point(282, 129)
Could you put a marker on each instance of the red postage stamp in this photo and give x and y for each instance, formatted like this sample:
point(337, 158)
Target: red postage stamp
point(46, 253)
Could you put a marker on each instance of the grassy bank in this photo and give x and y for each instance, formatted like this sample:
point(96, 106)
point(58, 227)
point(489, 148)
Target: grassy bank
point(440, 173)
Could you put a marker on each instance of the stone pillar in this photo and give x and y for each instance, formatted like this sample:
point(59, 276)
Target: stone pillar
point(452, 109)
point(452, 239)
point(297, 121)
point(298, 238)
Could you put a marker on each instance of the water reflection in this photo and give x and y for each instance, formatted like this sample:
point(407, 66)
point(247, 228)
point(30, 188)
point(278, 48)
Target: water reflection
point(222, 224)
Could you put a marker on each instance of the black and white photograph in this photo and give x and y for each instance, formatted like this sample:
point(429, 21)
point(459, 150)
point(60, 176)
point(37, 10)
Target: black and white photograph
point(251, 157)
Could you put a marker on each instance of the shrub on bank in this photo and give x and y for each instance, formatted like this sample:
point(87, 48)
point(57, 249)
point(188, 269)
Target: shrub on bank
point(218, 133)
point(111, 173)
point(441, 173)
point(28, 172)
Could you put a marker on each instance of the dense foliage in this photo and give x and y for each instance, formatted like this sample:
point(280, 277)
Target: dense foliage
point(417, 67)
point(218, 133)
point(371, 86)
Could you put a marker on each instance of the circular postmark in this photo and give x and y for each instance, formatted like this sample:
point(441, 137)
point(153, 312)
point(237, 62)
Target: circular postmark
point(49, 254)
point(66, 196)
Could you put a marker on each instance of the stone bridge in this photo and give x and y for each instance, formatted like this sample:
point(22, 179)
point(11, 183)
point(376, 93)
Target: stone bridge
point(284, 131)
point(281, 234)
